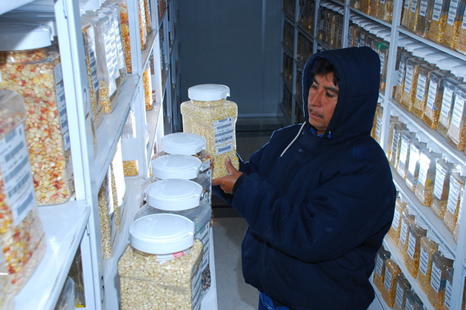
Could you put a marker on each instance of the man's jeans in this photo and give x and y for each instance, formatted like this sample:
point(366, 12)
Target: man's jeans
point(265, 303)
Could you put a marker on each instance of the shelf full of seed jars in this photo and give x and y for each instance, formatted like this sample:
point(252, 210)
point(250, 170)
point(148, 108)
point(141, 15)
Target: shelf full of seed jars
point(81, 90)
point(419, 122)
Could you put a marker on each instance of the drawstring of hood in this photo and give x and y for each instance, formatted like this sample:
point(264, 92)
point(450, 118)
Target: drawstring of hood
point(286, 149)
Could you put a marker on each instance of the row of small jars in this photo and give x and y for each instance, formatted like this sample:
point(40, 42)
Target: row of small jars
point(435, 179)
point(381, 9)
point(430, 85)
point(330, 27)
point(428, 263)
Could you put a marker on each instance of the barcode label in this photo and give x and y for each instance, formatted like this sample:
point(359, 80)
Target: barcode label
point(58, 74)
point(24, 205)
point(403, 152)
point(453, 196)
point(448, 291)
point(423, 8)
point(437, 10)
point(378, 126)
point(411, 245)
point(224, 131)
point(408, 78)
point(17, 188)
point(424, 261)
point(421, 87)
point(403, 232)
point(446, 102)
point(224, 149)
point(399, 295)
point(452, 12)
point(424, 164)
point(401, 72)
point(382, 61)
point(431, 96)
point(14, 151)
point(20, 166)
point(413, 160)
point(458, 111)
point(10, 136)
point(61, 104)
point(396, 220)
point(414, 6)
point(435, 277)
point(406, 4)
point(66, 140)
point(379, 265)
point(439, 183)
point(387, 281)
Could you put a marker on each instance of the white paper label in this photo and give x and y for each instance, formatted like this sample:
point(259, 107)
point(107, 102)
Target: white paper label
point(423, 261)
point(453, 197)
point(403, 152)
point(458, 111)
point(403, 232)
point(409, 305)
point(387, 281)
point(408, 78)
point(411, 245)
point(378, 126)
point(423, 8)
point(382, 61)
point(379, 265)
point(406, 4)
point(421, 87)
point(414, 6)
point(431, 96)
point(396, 219)
point(119, 46)
point(448, 291)
point(401, 73)
point(446, 102)
point(58, 74)
point(437, 10)
point(413, 160)
point(399, 295)
point(435, 277)
point(224, 131)
point(92, 58)
point(439, 183)
point(196, 290)
point(203, 235)
point(424, 165)
point(24, 205)
point(452, 12)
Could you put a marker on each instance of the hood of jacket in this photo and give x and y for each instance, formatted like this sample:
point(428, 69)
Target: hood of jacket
point(359, 73)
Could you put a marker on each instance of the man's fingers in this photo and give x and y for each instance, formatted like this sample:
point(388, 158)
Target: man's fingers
point(229, 166)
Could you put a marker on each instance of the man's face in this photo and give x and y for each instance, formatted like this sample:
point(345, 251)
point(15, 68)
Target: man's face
point(321, 102)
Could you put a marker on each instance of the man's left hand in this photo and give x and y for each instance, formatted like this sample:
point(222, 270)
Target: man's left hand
point(228, 182)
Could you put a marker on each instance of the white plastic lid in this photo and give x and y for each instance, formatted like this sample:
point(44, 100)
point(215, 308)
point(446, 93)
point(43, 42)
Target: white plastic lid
point(23, 36)
point(176, 167)
point(412, 46)
point(448, 64)
point(183, 143)
point(433, 236)
point(162, 233)
point(423, 51)
point(208, 92)
point(445, 252)
point(174, 195)
point(459, 71)
point(33, 17)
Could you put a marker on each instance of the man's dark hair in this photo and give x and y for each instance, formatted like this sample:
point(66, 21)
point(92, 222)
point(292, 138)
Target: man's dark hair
point(324, 67)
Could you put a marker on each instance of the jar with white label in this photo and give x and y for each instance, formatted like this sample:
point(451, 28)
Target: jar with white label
point(402, 287)
point(22, 235)
point(378, 111)
point(461, 44)
point(125, 33)
point(394, 231)
point(429, 244)
point(417, 230)
point(449, 289)
point(161, 265)
point(406, 14)
point(356, 4)
point(374, 10)
point(456, 134)
point(441, 260)
point(386, 10)
point(36, 75)
point(407, 218)
point(351, 31)
point(425, 11)
point(420, 99)
point(454, 21)
point(407, 137)
point(457, 225)
point(395, 146)
point(108, 228)
point(394, 119)
point(414, 14)
point(454, 198)
point(401, 75)
point(183, 197)
point(413, 302)
point(427, 167)
point(383, 49)
point(448, 100)
point(438, 20)
point(415, 149)
point(434, 98)
point(410, 87)
point(379, 271)
point(389, 284)
point(210, 115)
point(443, 171)
point(366, 6)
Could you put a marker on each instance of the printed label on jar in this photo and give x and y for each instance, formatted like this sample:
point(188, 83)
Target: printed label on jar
point(378, 126)
point(24, 205)
point(408, 78)
point(414, 6)
point(403, 232)
point(452, 198)
point(121, 55)
point(423, 169)
point(14, 164)
point(396, 219)
point(382, 61)
point(224, 131)
point(431, 96)
point(409, 305)
point(413, 160)
point(379, 265)
point(439, 183)
point(401, 72)
point(446, 102)
point(399, 295)
point(457, 112)
point(203, 235)
point(423, 8)
point(435, 277)
point(437, 10)
point(196, 290)
point(423, 261)
point(92, 58)
point(224, 149)
point(205, 165)
point(387, 281)
point(411, 245)
point(452, 12)
point(421, 87)
point(403, 151)
point(448, 291)
point(406, 4)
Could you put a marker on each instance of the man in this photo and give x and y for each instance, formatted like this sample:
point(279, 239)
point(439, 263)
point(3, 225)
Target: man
point(318, 197)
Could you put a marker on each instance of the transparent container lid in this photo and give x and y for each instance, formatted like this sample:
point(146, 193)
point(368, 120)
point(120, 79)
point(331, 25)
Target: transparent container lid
point(176, 167)
point(23, 36)
point(34, 17)
point(412, 46)
point(162, 233)
point(183, 143)
point(174, 195)
point(208, 92)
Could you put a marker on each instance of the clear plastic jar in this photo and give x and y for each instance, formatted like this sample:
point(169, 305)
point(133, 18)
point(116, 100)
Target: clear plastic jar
point(413, 302)
point(403, 162)
point(420, 99)
point(66, 300)
point(407, 218)
point(425, 182)
point(389, 283)
point(374, 11)
point(130, 164)
point(107, 219)
point(441, 260)
point(412, 173)
point(402, 287)
point(377, 124)
point(396, 143)
point(461, 44)
point(409, 91)
point(213, 117)
point(395, 228)
point(118, 184)
point(21, 231)
point(154, 272)
point(414, 15)
point(425, 14)
point(434, 99)
point(405, 17)
point(429, 244)
point(454, 21)
point(185, 198)
point(443, 171)
point(366, 6)
point(356, 4)
point(379, 272)
point(448, 100)
point(332, 30)
point(147, 14)
point(417, 230)
point(438, 20)
point(448, 289)
point(113, 37)
point(125, 34)
point(456, 134)
point(393, 120)
point(351, 31)
point(454, 198)
point(142, 24)
point(146, 78)
point(383, 49)
point(401, 76)
point(385, 10)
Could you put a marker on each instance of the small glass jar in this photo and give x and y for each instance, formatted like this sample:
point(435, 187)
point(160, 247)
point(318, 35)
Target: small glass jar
point(461, 44)
point(396, 143)
point(386, 10)
point(125, 34)
point(454, 21)
point(420, 99)
point(142, 24)
point(438, 20)
point(425, 182)
point(379, 272)
point(441, 260)
point(449, 289)
point(454, 199)
point(414, 15)
point(456, 134)
point(106, 217)
point(389, 284)
point(429, 244)
point(401, 75)
point(393, 120)
point(403, 162)
point(377, 129)
point(405, 17)
point(409, 91)
point(161, 264)
point(425, 13)
point(448, 100)
point(417, 230)
point(443, 171)
point(413, 302)
point(395, 228)
point(402, 287)
point(434, 99)
point(412, 173)
point(351, 32)
point(117, 174)
point(407, 218)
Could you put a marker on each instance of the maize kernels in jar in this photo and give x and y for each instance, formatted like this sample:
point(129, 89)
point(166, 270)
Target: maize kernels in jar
point(417, 230)
point(146, 79)
point(402, 286)
point(456, 134)
point(453, 24)
point(389, 286)
point(395, 228)
point(142, 24)
point(425, 182)
point(454, 199)
point(379, 271)
point(441, 260)
point(429, 244)
point(434, 99)
point(130, 168)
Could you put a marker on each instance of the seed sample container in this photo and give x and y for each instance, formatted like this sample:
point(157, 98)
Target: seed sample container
point(130, 164)
point(161, 264)
point(406, 14)
point(435, 98)
point(417, 230)
point(407, 218)
point(429, 244)
point(454, 199)
point(456, 134)
point(394, 119)
point(379, 272)
point(454, 21)
point(415, 149)
point(461, 44)
point(125, 35)
point(449, 290)
point(413, 301)
point(441, 260)
point(183, 197)
point(395, 228)
point(22, 235)
point(420, 99)
point(108, 228)
point(425, 15)
point(443, 172)
point(409, 91)
point(414, 15)
point(448, 100)
point(389, 284)
point(34, 73)
point(117, 174)
point(66, 300)
point(396, 143)
point(146, 79)
point(402, 287)
point(401, 75)
point(142, 24)
point(385, 10)
point(427, 167)
point(210, 115)
point(457, 225)
point(407, 137)
point(438, 21)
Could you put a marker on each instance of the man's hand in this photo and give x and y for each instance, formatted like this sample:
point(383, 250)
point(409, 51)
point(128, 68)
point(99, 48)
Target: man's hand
point(228, 182)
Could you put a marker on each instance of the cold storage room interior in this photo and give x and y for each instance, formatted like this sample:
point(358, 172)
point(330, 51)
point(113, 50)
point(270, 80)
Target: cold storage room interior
point(93, 96)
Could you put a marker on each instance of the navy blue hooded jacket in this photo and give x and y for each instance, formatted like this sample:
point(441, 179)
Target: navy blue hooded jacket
point(317, 213)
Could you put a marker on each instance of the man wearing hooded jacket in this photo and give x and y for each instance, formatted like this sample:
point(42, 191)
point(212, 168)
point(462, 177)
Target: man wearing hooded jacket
point(319, 196)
